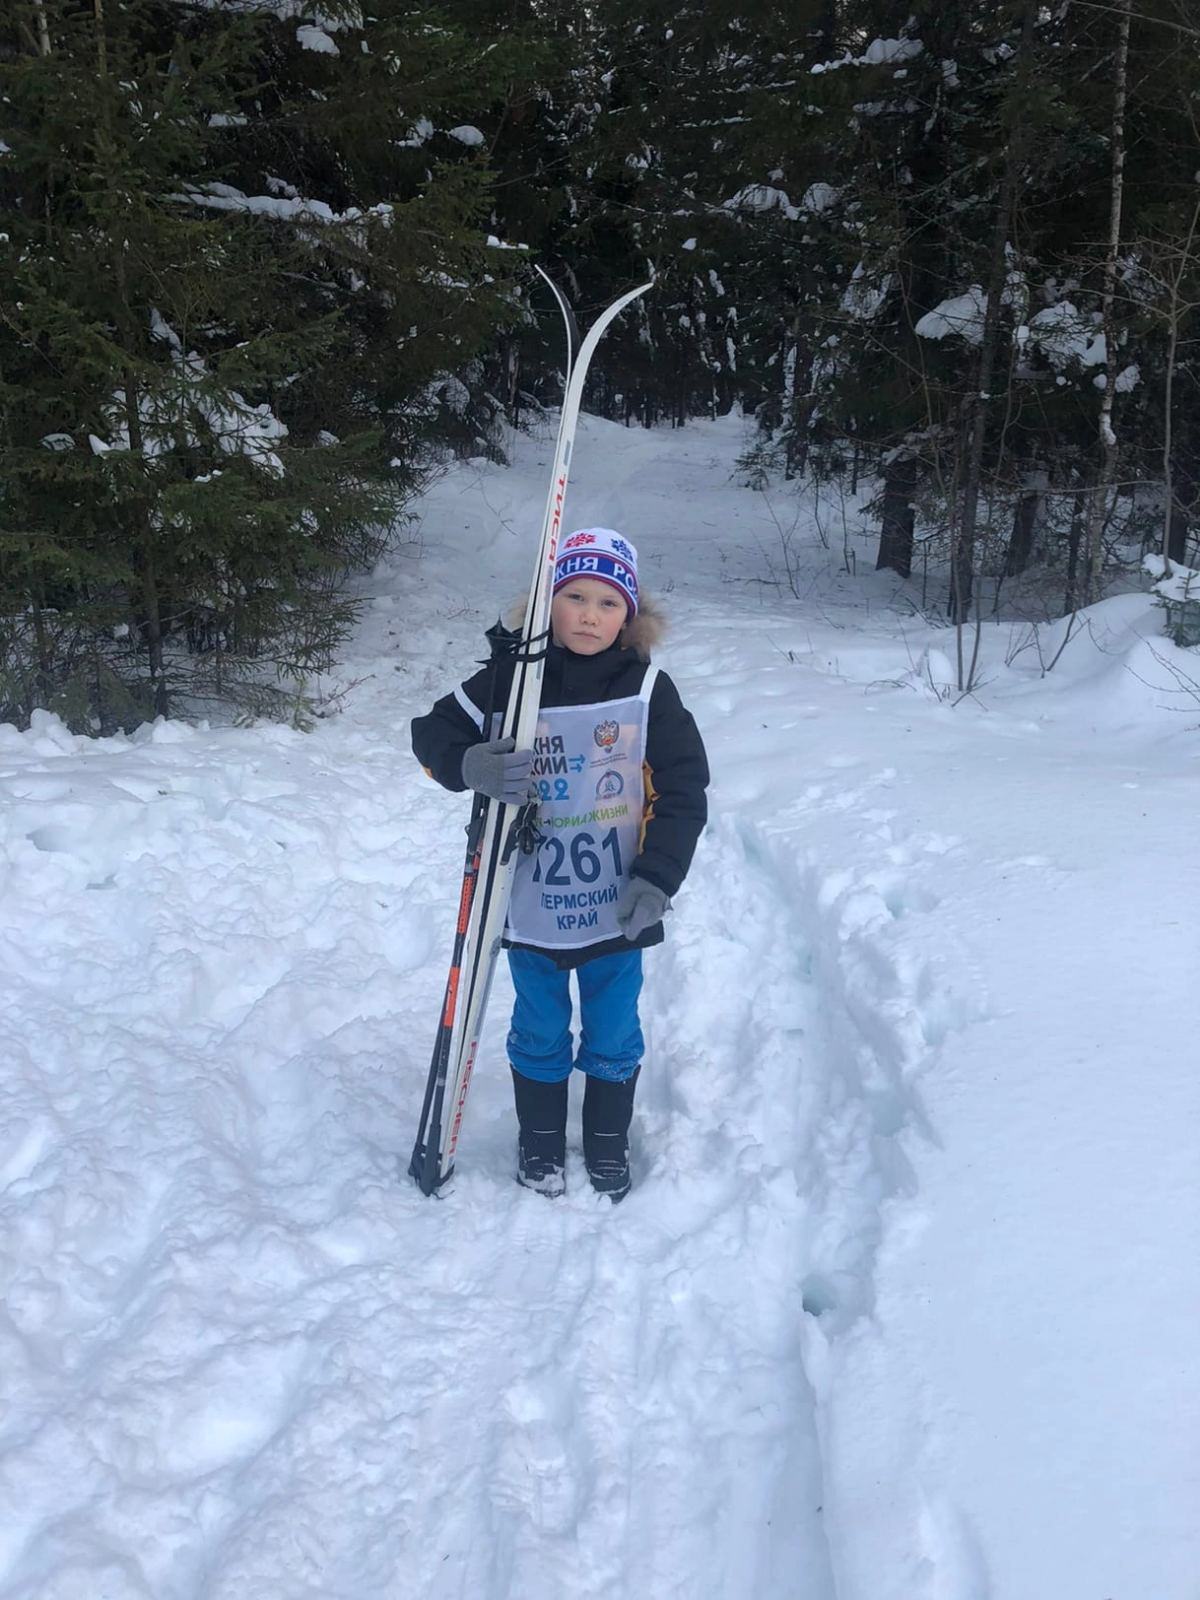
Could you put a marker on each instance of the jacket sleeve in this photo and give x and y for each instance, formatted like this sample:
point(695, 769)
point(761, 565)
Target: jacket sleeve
point(441, 738)
point(676, 778)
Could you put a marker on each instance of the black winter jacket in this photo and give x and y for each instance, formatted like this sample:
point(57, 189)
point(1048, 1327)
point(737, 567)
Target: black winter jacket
point(676, 767)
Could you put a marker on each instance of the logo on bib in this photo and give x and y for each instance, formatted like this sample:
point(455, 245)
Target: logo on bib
point(610, 786)
point(606, 734)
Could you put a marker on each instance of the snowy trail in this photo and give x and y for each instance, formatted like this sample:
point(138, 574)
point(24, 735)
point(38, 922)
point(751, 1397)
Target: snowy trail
point(821, 1348)
point(213, 1241)
point(628, 1351)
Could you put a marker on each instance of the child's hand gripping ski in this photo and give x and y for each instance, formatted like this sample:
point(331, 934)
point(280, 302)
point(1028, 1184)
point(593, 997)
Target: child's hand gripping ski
point(499, 770)
point(640, 906)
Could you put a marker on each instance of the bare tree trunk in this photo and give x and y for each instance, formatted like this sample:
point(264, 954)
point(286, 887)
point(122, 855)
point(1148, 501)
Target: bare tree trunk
point(139, 501)
point(797, 445)
point(1179, 525)
point(42, 646)
point(797, 406)
point(151, 602)
point(512, 368)
point(827, 26)
point(963, 559)
point(1169, 519)
point(1174, 316)
point(1020, 546)
point(1097, 509)
point(1074, 542)
point(899, 517)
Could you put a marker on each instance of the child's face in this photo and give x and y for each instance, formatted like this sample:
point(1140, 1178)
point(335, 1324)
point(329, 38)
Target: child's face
point(586, 616)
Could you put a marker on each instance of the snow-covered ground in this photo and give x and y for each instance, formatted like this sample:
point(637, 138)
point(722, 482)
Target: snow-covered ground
point(906, 1302)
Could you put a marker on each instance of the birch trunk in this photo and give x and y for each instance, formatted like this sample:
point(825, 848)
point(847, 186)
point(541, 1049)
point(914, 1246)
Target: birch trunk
point(1097, 509)
point(43, 27)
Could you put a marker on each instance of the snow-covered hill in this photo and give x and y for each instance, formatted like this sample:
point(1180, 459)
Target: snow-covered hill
point(906, 1302)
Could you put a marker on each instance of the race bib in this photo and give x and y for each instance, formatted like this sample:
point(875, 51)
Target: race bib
point(587, 763)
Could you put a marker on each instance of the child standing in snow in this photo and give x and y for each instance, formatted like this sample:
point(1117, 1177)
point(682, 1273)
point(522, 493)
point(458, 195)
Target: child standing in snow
point(619, 770)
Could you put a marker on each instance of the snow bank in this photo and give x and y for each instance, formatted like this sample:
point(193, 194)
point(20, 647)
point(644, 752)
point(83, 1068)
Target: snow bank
point(1173, 581)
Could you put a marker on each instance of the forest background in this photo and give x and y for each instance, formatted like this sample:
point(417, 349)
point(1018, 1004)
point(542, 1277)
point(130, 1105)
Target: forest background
point(265, 266)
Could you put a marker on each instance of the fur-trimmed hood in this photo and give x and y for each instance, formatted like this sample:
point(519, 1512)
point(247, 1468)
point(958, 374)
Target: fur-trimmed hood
point(642, 635)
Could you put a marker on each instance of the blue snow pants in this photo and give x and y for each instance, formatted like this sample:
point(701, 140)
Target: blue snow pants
point(540, 1040)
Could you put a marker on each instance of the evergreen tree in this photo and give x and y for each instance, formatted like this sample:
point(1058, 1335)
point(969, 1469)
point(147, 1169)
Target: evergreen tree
point(242, 292)
point(250, 289)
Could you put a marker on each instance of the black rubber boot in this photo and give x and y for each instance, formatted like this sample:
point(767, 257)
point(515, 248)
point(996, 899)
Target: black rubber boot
point(607, 1112)
point(542, 1134)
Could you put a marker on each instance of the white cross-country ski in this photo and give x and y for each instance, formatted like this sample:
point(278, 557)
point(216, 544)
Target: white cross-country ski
point(497, 832)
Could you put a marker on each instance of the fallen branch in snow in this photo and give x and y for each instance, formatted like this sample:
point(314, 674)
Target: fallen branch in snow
point(1066, 641)
point(334, 700)
point(1033, 639)
point(1187, 685)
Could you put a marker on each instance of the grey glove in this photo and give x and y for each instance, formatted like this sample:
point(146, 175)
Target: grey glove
point(498, 769)
point(641, 904)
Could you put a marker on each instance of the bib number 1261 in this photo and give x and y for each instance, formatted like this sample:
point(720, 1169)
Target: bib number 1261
point(584, 856)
